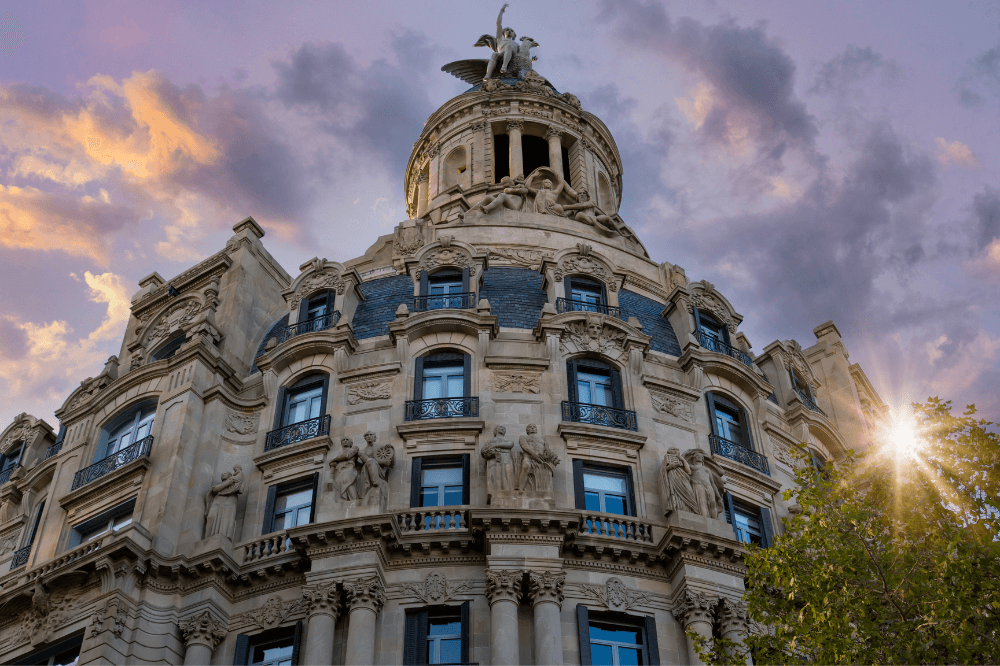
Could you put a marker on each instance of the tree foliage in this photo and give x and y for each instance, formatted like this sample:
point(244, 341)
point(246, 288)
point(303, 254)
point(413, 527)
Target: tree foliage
point(894, 557)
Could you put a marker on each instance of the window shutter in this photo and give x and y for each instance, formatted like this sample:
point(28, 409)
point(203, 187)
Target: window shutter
point(616, 389)
point(730, 509)
point(466, 469)
point(697, 319)
point(242, 657)
point(583, 626)
point(745, 427)
point(415, 482)
point(568, 288)
point(315, 499)
point(652, 647)
point(422, 656)
point(467, 372)
point(410, 639)
point(465, 631)
point(424, 288)
point(303, 310)
point(280, 408)
point(630, 486)
point(571, 378)
point(765, 522)
point(418, 378)
point(326, 389)
point(272, 494)
point(581, 501)
point(296, 643)
point(710, 401)
point(465, 281)
point(34, 526)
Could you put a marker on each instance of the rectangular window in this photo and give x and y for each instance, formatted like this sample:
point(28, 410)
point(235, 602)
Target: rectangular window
point(304, 404)
point(585, 294)
point(593, 388)
point(440, 481)
point(290, 504)
point(109, 521)
point(594, 382)
point(64, 653)
point(446, 380)
point(729, 421)
point(437, 635)
point(603, 488)
point(752, 524)
point(276, 647)
point(136, 427)
point(616, 639)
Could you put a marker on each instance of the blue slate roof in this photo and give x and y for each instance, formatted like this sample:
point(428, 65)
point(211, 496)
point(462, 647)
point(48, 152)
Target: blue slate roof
point(382, 297)
point(647, 311)
point(515, 294)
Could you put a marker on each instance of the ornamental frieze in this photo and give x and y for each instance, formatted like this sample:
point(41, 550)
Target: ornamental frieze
point(271, 614)
point(679, 409)
point(593, 334)
point(376, 389)
point(436, 589)
point(616, 595)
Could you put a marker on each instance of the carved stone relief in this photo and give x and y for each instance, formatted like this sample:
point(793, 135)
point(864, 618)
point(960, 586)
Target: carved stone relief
point(436, 589)
point(220, 504)
point(48, 612)
point(680, 409)
point(783, 452)
point(323, 279)
point(616, 595)
point(203, 629)
point(365, 593)
point(446, 256)
point(503, 585)
point(593, 335)
point(271, 614)
point(518, 257)
point(113, 614)
point(18, 433)
point(691, 482)
point(9, 540)
point(707, 300)
point(519, 479)
point(177, 317)
point(694, 607)
point(582, 265)
point(242, 422)
point(376, 389)
point(361, 475)
point(517, 382)
point(407, 240)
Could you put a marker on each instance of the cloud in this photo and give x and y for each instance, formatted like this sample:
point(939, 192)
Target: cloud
point(981, 78)
point(853, 65)
point(955, 152)
point(986, 206)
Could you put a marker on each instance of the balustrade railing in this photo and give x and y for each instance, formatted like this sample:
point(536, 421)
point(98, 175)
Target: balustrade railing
point(582, 412)
point(808, 401)
point(441, 408)
point(432, 518)
point(297, 432)
point(616, 527)
point(741, 454)
point(20, 558)
point(573, 305)
point(53, 450)
point(712, 343)
point(112, 462)
point(276, 543)
point(5, 474)
point(463, 301)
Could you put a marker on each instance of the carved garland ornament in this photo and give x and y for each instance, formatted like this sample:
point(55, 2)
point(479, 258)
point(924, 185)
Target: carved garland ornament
point(242, 422)
point(518, 257)
point(272, 613)
point(585, 266)
point(446, 256)
point(615, 595)
point(326, 279)
point(376, 389)
point(436, 589)
point(177, 317)
point(517, 382)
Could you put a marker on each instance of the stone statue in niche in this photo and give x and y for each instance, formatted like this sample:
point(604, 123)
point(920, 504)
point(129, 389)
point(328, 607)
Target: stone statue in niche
point(519, 479)
point(220, 504)
point(538, 463)
point(675, 483)
point(345, 470)
point(499, 464)
point(511, 197)
point(375, 464)
point(707, 482)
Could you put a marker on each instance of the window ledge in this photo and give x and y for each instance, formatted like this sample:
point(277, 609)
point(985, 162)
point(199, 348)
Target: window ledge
point(748, 476)
point(588, 435)
point(453, 427)
point(306, 453)
point(111, 489)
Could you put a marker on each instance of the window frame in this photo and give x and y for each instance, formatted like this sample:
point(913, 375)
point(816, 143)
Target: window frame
point(581, 465)
point(30, 541)
point(267, 527)
point(302, 384)
point(416, 624)
point(306, 304)
point(764, 516)
point(169, 348)
point(711, 398)
point(595, 366)
point(65, 645)
point(416, 476)
point(135, 413)
point(5, 457)
point(646, 623)
point(442, 356)
point(570, 281)
point(245, 643)
point(106, 518)
point(801, 384)
point(698, 316)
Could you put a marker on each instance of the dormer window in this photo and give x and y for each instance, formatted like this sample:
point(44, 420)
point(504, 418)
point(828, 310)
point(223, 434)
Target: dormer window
point(584, 295)
point(170, 348)
point(444, 289)
point(316, 313)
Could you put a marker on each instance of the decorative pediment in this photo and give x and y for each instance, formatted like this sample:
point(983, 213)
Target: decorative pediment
point(171, 318)
point(18, 431)
point(595, 333)
point(317, 274)
point(794, 358)
point(445, 253)
point(583, 261)
point(705, 297)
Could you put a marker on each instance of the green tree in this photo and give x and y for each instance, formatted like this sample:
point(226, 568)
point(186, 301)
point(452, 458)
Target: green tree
point(894, 557)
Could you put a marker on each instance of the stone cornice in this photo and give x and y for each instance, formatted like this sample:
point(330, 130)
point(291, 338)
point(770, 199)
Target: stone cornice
point(308, 344)
point(189, 280)
point(723, 365)
point(416, 325)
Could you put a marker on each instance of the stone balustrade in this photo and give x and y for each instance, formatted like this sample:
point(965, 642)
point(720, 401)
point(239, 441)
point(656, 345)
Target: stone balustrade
point(269, 545)
point(442, 518)
point(616, 527)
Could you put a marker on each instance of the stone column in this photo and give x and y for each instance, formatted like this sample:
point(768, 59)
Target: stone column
point(514, 127)
point(695, 612)
point(503, 591)
point(422, 193)
point(554, 137)
point(546, 592)
point(732, 617)
point(365, 598)
point(202, 633)
point(324, 607)
point(433, 169)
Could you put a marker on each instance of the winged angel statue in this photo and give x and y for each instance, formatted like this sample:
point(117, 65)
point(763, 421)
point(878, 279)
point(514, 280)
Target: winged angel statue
point(515, 61)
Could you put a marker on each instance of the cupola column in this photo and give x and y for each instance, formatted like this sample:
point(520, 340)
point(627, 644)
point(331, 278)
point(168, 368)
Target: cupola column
point(732, 617)
point(554, 137)
point(696, 612)
point(514, 127)
point(365, 598)
point(503, 591)
point(422, 180)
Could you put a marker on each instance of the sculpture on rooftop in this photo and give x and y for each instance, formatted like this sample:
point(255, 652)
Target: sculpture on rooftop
point(515, 61)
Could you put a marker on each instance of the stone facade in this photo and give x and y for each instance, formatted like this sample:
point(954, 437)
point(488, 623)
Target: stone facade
point(164, 550)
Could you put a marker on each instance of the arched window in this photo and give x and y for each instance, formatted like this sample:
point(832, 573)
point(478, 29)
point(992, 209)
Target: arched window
point(729, 421)
point(446, 288)
point(442, 387)
point(131, 427)
point(305, 400)
point(169, 348)
point(605, 195)
point(455, 166)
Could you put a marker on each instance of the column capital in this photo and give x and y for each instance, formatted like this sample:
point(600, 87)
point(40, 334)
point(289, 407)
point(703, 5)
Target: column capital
point(365, 593)
point(546, 586)
point(503, 585)
point(694, 607)
point(732, 616)
point(515, 124)
point(553, 133)
point(322, 599)
point(203, 629)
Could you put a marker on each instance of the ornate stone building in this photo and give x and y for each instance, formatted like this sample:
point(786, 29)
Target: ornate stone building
point(504, 435)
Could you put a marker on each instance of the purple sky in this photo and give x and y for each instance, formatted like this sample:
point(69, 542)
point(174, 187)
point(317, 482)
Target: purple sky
point(813, 160)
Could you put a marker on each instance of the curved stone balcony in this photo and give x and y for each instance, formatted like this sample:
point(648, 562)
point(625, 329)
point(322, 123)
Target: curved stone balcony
point(714, 344)
point(115, 461)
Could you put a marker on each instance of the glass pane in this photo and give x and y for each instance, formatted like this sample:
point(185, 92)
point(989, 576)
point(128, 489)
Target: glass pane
point(293, 499)
point(11, 459)
point(600, 655)
point(615, 633)
point(451, 651)
point(593, 501)
point(279, 522)
point(629, 656)
point(67, 658)
point(303, 517)
point(452, 496)
point(273, 654)
point(599, 395)
point(122, 521)
point(605, 482)
point(444, 628)
point(456, 386)
point(583, 392)
point(430, 497)
point(439, 476)
point(314, 406)
point(432, 387)
point(615, 504)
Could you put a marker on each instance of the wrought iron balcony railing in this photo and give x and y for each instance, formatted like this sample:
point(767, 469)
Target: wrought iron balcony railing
point(582, 412)
point(573, 305)
point(463, 301)
point(441, 408)
point(808, 401)
point(712, 343)
point(320, 323)
point(53, 450)
point(297, 432)
point(5, 475)
point(20, 557)
point(740, 454)
point(112, 462)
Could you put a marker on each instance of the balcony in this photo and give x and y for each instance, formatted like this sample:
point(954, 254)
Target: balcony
point(572, 305)
point(441, 408)
point(53, 450)
point(808, 401)
point(320, 323)
point(741, 454)
point(5, 475)
point(20, 558)
point(463, 301)
point(582, 412)
point(714, 344)
point(297, 432)
point(116, 460)
point(615, 527)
